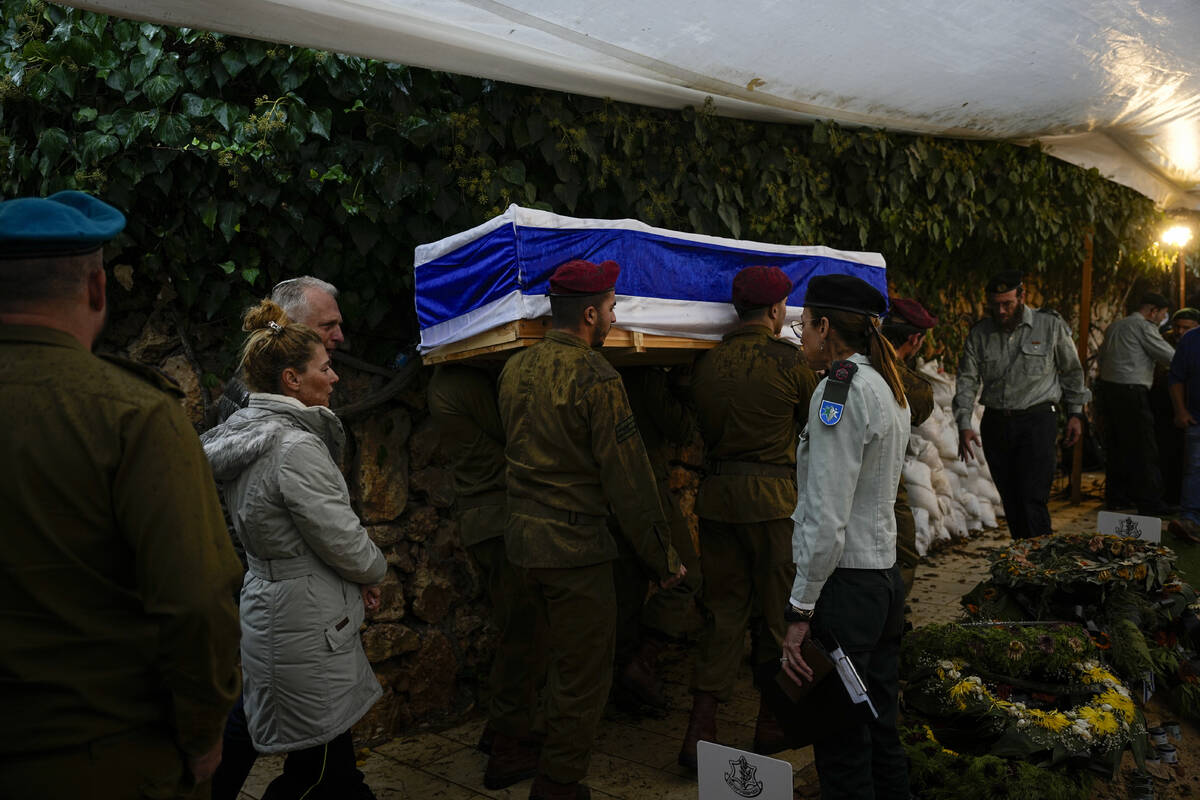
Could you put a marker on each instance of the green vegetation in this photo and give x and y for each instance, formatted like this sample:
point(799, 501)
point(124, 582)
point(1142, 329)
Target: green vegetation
point(240, 162)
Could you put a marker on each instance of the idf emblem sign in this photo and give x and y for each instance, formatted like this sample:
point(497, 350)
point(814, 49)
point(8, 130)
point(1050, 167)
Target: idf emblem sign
point(726, 773)
point(830, 412)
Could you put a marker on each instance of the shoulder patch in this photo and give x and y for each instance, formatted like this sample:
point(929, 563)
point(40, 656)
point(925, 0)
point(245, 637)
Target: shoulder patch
point(626, 429)
point(837, 389)
point(150, 375)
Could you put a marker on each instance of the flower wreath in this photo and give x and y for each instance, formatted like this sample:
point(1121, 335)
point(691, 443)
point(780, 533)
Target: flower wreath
point(1105, 722)
point(1062, 559)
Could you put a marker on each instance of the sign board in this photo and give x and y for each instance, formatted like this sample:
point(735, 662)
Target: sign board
point(1113, 523)
point(726, 773)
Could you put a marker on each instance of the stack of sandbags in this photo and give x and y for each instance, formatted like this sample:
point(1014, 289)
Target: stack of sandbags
point(950, 498)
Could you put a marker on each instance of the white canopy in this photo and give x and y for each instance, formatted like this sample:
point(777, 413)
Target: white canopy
point(1112, 84)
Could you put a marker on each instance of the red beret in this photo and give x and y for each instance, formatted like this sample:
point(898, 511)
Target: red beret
point(760, 286)
point(912, 312)
point(579, 277)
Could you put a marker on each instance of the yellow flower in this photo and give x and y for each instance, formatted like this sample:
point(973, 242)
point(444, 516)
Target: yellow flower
point(1121, 704)
point(1054, 721)
point(1102, 722)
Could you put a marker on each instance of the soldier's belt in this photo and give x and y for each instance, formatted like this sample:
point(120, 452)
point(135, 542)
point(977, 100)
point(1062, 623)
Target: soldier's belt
point(535, 509)
point(492, 498)
point(1020, 412)
point(754, 468)
point(282, 569)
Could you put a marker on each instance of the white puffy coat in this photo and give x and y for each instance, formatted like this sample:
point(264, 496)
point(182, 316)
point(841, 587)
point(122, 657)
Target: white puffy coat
point(305, 676)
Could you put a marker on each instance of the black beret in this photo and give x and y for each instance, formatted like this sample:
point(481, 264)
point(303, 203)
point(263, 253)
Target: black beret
point(1186, 313)
point(1155, 300)
point(1003, 282)
point(845, 293)
point(63, 224)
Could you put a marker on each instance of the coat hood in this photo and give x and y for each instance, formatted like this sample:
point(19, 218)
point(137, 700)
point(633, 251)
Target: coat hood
point(251, 432)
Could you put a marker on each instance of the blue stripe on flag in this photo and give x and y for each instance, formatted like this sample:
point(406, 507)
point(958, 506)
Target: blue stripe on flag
point(652, 265)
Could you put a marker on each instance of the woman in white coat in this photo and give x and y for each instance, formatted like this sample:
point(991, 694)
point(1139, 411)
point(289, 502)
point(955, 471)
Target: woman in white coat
point(311, 566)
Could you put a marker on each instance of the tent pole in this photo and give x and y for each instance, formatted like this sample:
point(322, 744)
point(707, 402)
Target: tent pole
point(1085, 325)
point(1182, 273)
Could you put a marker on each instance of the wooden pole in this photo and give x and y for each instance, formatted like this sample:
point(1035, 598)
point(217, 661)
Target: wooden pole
point(1179, 268)
point(1085, 327)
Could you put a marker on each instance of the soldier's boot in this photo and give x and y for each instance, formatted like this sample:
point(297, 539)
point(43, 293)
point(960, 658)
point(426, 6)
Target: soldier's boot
point(640, 676)
point(768, 735)
point(485, 739)
point(702, 725)
point(545, 789)
point(512, 760)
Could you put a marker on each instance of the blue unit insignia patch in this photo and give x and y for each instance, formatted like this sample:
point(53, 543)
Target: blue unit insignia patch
point(831, 412)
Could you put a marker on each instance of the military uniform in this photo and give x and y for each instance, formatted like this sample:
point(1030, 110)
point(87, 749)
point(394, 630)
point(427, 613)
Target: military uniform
point(462, 402)
point(751, 395)
point(1023, 375)
point(120, 630)
point(920, 402)
point(573, 448)
point(1131, 348)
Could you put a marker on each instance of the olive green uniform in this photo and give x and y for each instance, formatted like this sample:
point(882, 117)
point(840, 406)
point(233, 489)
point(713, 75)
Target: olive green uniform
point(116, 607)
point(574, 448)
point(751, 394)
point(920, 403)
point(462, 401)
point(664, 419)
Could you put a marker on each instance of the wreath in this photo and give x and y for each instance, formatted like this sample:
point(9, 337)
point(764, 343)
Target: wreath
point(1027, 692)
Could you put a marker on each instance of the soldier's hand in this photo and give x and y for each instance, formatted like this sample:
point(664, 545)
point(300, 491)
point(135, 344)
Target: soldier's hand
point(793, 660)
point(966, 438)
point(667, 583)
point(1074, 431)
point(1183, 419)
point(204, 765)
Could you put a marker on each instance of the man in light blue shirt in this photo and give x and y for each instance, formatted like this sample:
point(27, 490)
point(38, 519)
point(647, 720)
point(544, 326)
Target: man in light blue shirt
point(1132, 345)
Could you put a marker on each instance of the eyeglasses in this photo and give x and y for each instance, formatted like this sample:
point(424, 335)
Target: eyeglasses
point(798, 328)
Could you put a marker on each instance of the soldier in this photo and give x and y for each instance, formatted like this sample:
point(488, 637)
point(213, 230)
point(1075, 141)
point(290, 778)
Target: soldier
point(120, 631)
point(645, 625)
point(848, 586)
point(573, 448)
point(751, 394)
point(1026, 363)
point(905, 328)
point(462, 402)
point(1132, 345)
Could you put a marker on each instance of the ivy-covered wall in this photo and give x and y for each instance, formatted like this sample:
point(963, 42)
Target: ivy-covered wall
point(240, 162)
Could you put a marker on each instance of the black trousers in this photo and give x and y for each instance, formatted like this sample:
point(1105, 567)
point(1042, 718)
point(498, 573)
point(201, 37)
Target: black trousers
point(1132, 475)
point(324, 772)
point(1020, 451)
point(863, 609)
point(237, 755)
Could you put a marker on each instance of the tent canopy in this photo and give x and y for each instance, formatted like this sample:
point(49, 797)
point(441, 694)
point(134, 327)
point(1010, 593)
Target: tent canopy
point(1111, 84)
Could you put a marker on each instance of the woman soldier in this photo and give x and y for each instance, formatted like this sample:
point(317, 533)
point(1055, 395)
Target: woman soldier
point(848, 586)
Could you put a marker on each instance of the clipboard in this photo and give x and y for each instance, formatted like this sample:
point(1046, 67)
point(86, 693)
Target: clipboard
point(835, 700)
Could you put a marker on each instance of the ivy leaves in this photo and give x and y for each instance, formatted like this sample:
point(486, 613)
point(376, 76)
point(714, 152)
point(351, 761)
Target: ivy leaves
point(241, 162)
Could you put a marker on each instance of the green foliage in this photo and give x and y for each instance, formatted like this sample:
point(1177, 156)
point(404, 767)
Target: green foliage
point(240, 162)
point(936, 773)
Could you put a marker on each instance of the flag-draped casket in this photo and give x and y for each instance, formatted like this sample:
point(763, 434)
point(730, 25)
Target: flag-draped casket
point(485, 290)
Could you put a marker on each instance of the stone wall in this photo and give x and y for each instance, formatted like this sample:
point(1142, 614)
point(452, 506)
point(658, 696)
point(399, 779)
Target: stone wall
point(431, 639)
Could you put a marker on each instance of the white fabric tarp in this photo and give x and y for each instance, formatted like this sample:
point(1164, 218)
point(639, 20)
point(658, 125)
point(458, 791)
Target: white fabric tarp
point(1113, 84)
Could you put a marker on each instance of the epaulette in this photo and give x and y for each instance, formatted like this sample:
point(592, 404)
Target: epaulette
point(150, 375)
point(1049, 311)
point(837, 389)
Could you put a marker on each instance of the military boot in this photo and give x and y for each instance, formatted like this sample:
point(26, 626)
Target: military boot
point(512, 760)
point(768, 735)
point(701, 726)
point(640, 679)
point(545, 789)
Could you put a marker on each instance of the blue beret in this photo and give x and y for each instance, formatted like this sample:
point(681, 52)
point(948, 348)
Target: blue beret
point(67, 223)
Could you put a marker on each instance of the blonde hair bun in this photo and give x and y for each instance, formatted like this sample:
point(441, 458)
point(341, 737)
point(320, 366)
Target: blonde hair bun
point(266, 315)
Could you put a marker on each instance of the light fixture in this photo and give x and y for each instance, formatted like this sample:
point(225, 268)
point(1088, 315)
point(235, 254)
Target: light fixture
point(1177, 236)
